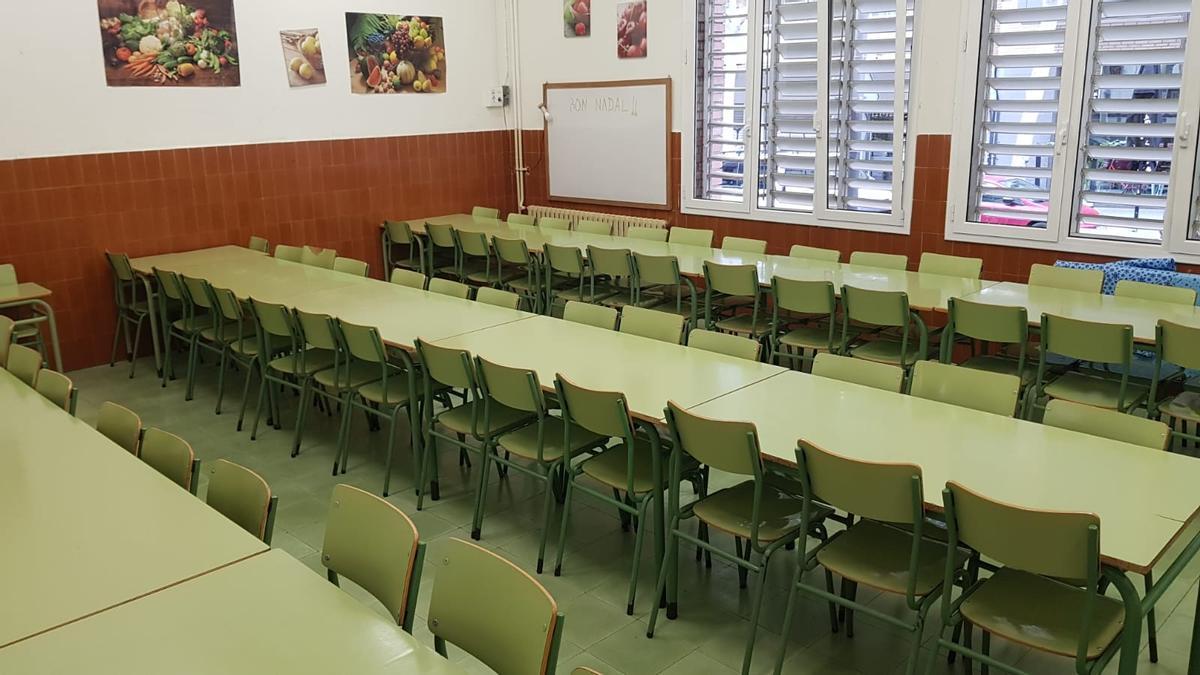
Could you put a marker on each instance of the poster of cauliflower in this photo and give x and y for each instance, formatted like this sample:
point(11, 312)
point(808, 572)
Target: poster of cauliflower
point(391, 54)
point(169, 43)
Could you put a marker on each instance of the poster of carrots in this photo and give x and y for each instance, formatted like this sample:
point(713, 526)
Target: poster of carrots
point(169, 43)
point(392, 54)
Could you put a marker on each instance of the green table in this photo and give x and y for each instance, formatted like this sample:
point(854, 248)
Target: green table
point(268, 614)
point(87, 525)
point(1145, 499)
point(33, 295)
point(1143, 315)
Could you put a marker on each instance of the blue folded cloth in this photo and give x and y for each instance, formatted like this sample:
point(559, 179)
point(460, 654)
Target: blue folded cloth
point(1159, 271)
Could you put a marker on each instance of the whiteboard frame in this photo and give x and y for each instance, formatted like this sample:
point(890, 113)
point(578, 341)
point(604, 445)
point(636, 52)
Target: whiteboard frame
point(665, 82)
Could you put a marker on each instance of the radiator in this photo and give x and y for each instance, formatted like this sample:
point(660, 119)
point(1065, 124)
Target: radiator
point(620, 224)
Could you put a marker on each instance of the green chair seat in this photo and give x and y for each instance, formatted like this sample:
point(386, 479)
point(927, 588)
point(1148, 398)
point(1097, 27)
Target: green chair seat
point(193, 324)
point(396, 394)
point(807, 337)
point(314, 360)
point(521, 282)
point(609, 467)
point(458, 419)
point(21, 332)
point(729, 510)
point(745, 324)
point(878, 556)
point(247, 346)
point(341, 378)
point(1100, 392)
point(493, 277)
point(523, 442)
point(1185, 406)
point(1041, 613)
point(887, 351)
point(1003, 365)
point(210, 334)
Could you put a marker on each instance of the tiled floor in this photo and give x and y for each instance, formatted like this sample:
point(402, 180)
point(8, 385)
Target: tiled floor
point(707, 638)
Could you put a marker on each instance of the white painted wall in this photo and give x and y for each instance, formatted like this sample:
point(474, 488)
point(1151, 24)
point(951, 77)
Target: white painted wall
point(55, 101)
point(547, 56)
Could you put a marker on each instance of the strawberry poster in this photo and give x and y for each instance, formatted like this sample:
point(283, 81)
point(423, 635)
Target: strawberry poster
point(393, 54)
point(577, 18)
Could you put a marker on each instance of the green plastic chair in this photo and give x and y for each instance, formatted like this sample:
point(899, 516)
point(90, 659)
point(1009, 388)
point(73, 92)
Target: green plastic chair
point(814, 253)
point(1026, 599)
point(443, 251)
point(24, 363)
point(454, 369)
point(525, 276)
point(209, 338)
point(878, 310)
point(453, 289)
point(171, 456)
point(351, 266)
point(288, 253)
point(350, 371)
point(132, 308)
point(982, 325)
point(373, 544)
point(485, 212)
point(802, 320)
point(494, 296)
point(120, 425)
point(399, 233)
point(857, 371)
point(591, 315)
point(690, 236)
point(1066, 278)
point(535, 449)
point(174, 301)
point(567, 276)
point(408, 278)
point(1103, 344)
point(885, 548)
point(27, 329)
point(627, 475)
point(762, 516)
point(883, 260)
point(494, 611)
point(612, 279)
point(242, 496)
point(950, 265)
point(520, 219)
point(990, 392)
point(661, 286)
point(7, 328)
point(648, 323)
point(554, 224)
point(318, 257)
point(382, 394)
point(1128, 288)
point(593, 227)
point(733, 287)
point(237, 334)
point(475, 261)
point(725, 343)
point(744, 245)
point(1179, 346)
point(647, 233)
point(57, 388)
point(294, 369)
point(259, 244)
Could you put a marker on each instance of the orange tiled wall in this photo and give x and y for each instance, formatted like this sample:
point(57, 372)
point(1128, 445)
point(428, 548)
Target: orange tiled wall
point(1004, 263)
point(58, 215)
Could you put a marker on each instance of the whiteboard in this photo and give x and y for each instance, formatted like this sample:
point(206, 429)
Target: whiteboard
point(609, 142)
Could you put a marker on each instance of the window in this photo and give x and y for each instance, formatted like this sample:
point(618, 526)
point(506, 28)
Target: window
point(827, 82)
point(1079, 132)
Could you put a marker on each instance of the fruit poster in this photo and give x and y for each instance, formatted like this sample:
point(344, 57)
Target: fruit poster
point(392, 54)
point(577, 18)
point(302, 56)
point(152, 43)
point(631, 29)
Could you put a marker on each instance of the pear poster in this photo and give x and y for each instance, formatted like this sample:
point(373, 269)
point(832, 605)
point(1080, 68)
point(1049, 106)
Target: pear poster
point(392, 54)
point(302, 56)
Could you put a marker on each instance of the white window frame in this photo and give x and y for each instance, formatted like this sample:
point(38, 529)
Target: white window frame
point(1057, 235)
point(896, 222)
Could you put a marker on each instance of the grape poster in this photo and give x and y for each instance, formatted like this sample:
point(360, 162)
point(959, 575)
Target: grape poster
point(631, 29)
point(577, 18)
point(393, 54)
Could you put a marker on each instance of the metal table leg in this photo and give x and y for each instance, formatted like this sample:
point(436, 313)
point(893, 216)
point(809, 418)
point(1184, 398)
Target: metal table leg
point(151, 306)
point(49, 312)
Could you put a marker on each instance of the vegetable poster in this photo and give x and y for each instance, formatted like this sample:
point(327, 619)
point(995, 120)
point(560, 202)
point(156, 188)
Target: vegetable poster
point(302, 55)
point(169, 43)
point(392, 54)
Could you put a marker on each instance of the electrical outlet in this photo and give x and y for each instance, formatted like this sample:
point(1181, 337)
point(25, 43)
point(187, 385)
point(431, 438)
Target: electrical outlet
point(497, 97)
